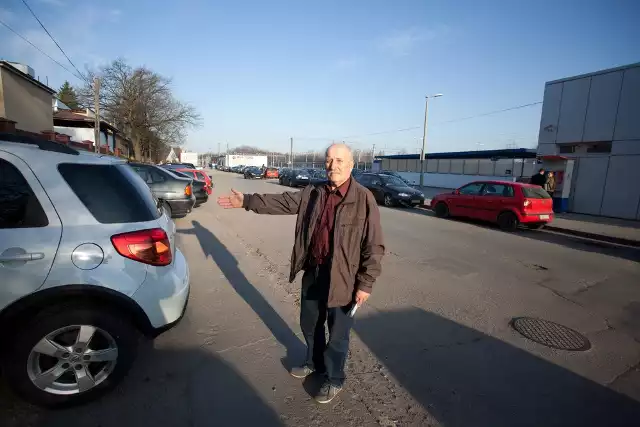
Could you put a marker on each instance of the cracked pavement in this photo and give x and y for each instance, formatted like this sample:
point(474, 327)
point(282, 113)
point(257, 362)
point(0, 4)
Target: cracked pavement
point(433, 345)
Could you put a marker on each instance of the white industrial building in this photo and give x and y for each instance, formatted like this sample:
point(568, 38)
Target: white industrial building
point(594, 120)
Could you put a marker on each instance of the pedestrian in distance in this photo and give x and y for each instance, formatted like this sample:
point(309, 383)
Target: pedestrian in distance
point(338, 244)
point(550, 183)
point(539, 179)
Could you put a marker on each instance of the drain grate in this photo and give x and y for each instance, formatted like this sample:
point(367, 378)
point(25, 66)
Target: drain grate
point(550, 334)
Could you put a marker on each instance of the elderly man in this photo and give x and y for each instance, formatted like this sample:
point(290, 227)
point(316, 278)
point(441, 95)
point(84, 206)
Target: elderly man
point(338, 243)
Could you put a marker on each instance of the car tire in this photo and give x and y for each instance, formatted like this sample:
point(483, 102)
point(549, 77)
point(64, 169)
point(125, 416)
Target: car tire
point(388, 200)
point(442, 210)
point(167, 208)
point(508, 221)
point(111, 332)
point(535, 226)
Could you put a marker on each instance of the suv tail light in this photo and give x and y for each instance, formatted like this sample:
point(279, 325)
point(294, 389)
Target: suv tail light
point(187, 190)
point(146, 246)
point(527, 203)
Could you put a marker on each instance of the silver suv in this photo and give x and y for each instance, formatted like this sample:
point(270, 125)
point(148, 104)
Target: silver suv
point(88, 265)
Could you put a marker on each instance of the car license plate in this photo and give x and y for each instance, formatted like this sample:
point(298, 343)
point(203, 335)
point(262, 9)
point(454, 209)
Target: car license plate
point(415, 201)
point(544, 216)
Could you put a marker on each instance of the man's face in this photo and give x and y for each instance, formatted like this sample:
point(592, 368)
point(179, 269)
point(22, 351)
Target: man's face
point(338, 164)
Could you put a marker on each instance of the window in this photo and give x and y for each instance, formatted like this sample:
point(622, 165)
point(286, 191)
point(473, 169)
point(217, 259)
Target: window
point(471, 189)
point(599, 147)
point(364, 179)
point(393, 180)
point(112, 193)
point(567, 149)
point(19, 206)
point(498, 190)
point(535, 193)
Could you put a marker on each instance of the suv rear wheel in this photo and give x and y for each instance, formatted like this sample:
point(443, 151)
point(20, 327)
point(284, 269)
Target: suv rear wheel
point(70, 355)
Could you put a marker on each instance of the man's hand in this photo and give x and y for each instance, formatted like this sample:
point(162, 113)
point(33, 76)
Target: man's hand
point(231, 201)
point(362, 297)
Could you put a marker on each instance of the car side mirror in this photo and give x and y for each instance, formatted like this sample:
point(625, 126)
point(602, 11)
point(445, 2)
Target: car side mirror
point(456, 192)
point(211, 177)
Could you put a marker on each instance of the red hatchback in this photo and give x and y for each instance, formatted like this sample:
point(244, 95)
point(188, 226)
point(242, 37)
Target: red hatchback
point(509, 204)
point(200, 176)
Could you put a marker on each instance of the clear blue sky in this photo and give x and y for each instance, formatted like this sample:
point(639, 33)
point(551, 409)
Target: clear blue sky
point(262, 71)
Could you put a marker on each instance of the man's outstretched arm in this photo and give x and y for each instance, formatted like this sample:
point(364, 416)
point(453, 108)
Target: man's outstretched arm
point(286, 203)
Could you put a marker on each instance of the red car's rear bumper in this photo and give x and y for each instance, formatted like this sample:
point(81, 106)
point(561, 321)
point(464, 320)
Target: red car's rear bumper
point(536, 218)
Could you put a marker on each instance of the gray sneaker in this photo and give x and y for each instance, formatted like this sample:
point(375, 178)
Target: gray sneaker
point(327, 392)
point(301, 371)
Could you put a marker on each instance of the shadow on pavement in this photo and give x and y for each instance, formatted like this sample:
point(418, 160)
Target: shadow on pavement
point(228, 264)
point(466, 378)
point(178, 388)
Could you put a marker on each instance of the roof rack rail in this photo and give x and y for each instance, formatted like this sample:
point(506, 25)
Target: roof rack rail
point(43, 144)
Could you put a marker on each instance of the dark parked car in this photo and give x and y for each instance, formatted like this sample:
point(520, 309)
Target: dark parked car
point(252, 172)
point(173, 166)
point(174, 192)
point(237, 169)
point(200, 188)
point(391, 190)
point(282, 172)
point(396, 174)
point(317, 176)
point(296, 178)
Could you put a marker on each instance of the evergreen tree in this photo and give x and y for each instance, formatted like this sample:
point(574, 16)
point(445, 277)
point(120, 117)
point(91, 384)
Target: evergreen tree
point(67, 95)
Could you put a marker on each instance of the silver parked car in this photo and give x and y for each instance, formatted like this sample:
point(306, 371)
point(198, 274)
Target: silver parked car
point(88, 264)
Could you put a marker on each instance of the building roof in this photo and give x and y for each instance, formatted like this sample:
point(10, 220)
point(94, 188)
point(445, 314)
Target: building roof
point(7, 66)
point(595, 73)
point(61, 116)
point(511, 153)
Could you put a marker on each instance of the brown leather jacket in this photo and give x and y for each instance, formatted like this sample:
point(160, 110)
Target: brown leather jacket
point(357, 235)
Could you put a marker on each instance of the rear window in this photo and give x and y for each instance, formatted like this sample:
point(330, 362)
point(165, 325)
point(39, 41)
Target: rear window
point(535, 193)
point(114, 194)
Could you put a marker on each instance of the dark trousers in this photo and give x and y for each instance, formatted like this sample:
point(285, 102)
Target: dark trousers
point(328, 358)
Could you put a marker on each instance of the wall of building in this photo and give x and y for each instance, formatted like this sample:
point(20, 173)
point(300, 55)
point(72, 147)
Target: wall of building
point(453, 173)
point(25, 103)
point(595, 119)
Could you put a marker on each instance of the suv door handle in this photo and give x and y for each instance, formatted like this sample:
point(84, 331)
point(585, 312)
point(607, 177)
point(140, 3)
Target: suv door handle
point(22, 257)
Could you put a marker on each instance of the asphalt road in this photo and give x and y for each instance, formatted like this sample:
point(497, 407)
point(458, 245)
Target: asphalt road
point(433, 346)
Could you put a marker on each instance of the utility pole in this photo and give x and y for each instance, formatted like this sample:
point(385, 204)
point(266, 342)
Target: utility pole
point(424, 135)
point(227, 148)
point(291, 152)
point(373, 155)
point(96, 107)
point(314, 159)
point(218, 149)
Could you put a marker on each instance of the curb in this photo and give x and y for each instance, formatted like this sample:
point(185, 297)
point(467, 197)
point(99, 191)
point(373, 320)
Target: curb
point(594, 236)
point(583, 234)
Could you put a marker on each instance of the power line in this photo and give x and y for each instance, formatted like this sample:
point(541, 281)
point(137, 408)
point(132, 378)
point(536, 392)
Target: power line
point(420, 127)
point(51, 37)
point(38, 49)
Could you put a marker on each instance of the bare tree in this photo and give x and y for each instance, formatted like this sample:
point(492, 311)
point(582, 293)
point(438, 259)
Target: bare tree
point(141, 103)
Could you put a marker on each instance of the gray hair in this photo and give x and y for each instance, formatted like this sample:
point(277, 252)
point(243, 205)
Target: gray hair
point(339, 144)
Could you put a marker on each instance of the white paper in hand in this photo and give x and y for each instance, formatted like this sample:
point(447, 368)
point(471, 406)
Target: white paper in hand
point(353, 310)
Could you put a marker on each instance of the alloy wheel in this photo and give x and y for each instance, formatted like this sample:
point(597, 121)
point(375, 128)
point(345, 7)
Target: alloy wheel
point(72, 360)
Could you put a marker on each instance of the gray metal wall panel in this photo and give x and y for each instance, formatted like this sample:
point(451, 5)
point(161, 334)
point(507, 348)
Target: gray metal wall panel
point(432, 165)
point(573, 108)
point(625, 147)
point(457, 166)
point(413, 165)
point(622, 190)
point(547, 149)
point(628, 121)
point(603, 105)
point(393, 165)
point(386, 164)
point(503, 165)
point(471, 167)
point(444, 166)
point(589, 185)
point(550, 113)
point(485, 167)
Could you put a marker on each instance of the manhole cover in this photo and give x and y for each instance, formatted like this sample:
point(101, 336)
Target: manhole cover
point(550, 334)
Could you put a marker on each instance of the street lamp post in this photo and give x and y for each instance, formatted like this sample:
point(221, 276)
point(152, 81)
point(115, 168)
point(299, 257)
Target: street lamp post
point(424, 135)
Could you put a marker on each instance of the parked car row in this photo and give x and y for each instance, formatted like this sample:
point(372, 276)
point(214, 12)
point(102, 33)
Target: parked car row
point(178, 188)
point(89, 265)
